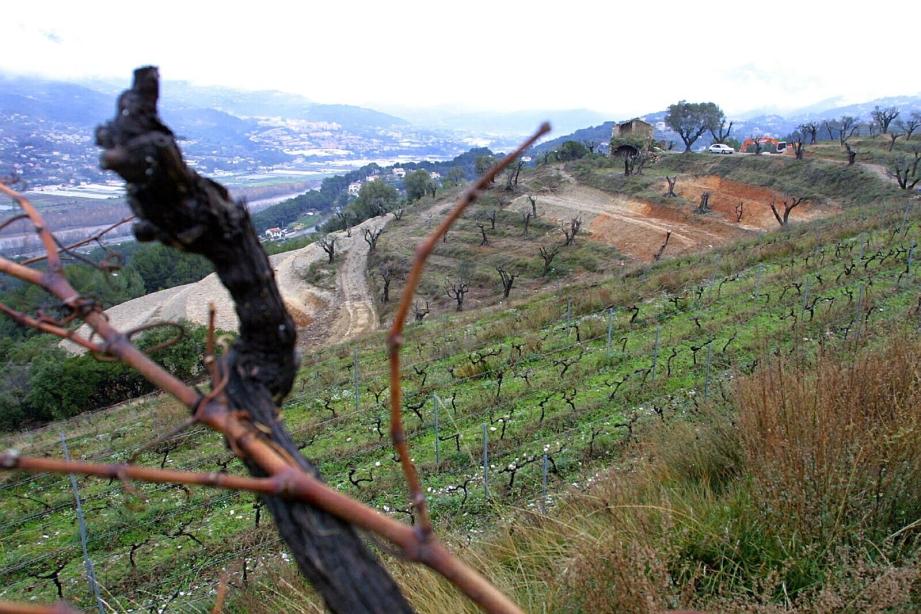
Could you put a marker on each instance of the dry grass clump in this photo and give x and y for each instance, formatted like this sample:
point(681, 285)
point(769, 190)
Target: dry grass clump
point(837, 450)
point(803, 497)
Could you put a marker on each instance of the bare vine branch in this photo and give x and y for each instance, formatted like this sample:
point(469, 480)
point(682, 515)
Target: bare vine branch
point(176, 206)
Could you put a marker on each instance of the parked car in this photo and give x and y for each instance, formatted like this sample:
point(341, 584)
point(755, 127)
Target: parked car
point(719, 148)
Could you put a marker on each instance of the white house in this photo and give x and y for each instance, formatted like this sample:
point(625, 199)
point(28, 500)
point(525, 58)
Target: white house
point(273, 234)
point(354, 188)
point(399, 172)
point(434, 175)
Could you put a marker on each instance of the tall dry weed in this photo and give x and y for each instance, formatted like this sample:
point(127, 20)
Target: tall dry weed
point(837, 449)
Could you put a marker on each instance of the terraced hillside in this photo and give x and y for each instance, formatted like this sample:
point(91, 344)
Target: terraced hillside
point(508, 407)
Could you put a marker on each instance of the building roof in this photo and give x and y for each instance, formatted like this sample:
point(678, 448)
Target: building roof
point(635, 119)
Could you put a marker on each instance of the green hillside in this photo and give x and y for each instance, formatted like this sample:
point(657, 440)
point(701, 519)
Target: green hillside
point(584, 368)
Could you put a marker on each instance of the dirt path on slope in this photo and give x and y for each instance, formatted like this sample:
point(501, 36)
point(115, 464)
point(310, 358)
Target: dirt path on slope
point(321, 316)
point(353, 311)
point(637, 228)
point(634, 227)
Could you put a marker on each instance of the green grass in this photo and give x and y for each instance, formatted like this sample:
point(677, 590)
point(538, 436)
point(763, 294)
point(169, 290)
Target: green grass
point(741, 298)
point(874, 150)
point(462, 255)
point(307, 221)
point(816, 179)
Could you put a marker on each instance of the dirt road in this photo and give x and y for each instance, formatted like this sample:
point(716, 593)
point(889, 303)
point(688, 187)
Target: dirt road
point(322, 317)
point(352, 309)
point(637, 228)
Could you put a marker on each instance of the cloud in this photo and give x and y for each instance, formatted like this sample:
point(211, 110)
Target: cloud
point(622, 60)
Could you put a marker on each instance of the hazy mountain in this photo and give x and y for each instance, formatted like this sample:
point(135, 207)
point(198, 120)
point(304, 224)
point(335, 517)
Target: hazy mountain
point(746, 125)
point(595, 134)
point(506, 124)
point(861, 109)
point(54, 101)
point(261, 103)
point(46, 129)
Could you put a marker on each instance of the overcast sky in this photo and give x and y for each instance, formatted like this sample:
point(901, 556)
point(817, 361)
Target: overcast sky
point(612, 57)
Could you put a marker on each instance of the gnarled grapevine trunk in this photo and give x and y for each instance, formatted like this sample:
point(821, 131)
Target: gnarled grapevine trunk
point(180, 208)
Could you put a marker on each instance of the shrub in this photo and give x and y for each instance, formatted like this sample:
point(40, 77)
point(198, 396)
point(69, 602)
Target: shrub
point(50, 384)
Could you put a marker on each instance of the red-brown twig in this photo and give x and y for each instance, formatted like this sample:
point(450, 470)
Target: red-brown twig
point(56, 284)
point(48, 327)
point(96, 237)
point(395, 339)
point(221, 595)
point(11, 460)
point(286, 479)
point(14, 607)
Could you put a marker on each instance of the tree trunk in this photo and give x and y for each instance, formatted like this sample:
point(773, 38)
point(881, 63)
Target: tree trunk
point(178, 207)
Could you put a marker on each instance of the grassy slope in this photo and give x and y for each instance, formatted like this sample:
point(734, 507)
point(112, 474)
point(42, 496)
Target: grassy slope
point(816, 179)
point(874, 150)
point(508, 247)
point(742, 299)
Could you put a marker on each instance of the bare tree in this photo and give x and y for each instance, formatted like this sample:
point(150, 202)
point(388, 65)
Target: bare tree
point(704, 205)
point(491, 216)
point(526, 221)
point(658, 254)
point(420, 311)
point(639, 162)
point(910, 124)
point(328, 243)
point(882, 117)
point(799, 147)
point(634, 162)
point(671, 186)
point(905, 170)
point(533, 202)
point(507, 280)
point(548, 254)
point(892, 138)
point(389, 270)
point(509, 178)
point(177, 206)
point(512, 178)
point(757, 143)
point(788, 207)
point(457, 291)
point(810, 129)
point(55, 575)
point(485, 239)
point(371, 237)
point(720, 132)
point(851, 154)
point(570, 232)
point(847, 127)
point(740, 210)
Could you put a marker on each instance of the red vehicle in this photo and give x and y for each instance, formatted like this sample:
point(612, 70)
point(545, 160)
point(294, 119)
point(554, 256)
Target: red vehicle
point(768, 145)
